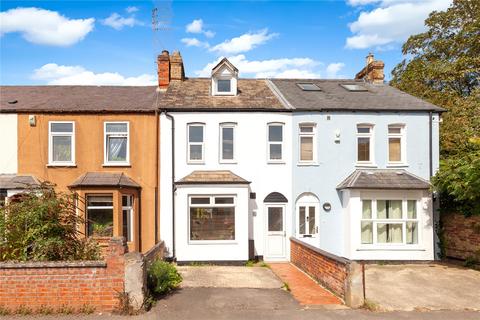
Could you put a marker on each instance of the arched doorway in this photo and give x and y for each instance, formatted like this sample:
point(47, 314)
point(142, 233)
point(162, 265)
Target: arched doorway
point(275, 226)
point(307, 215)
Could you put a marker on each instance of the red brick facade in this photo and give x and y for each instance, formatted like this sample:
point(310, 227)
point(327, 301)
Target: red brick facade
point(462, 236)
point(328, 270)
point(74, 285)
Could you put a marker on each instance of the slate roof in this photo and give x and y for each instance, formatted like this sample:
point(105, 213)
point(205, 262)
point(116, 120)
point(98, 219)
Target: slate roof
point(194, 94)
point(379, 97)
point(13, 181)
point(212, 177)
point(104, 179)
point(111, 99)
point(383, 179)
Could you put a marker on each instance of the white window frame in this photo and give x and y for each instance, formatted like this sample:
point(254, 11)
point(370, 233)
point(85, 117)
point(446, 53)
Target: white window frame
point(130, 208)
point(233, 84)
point(194, 161)
point(119, 135)
point(308, 200)
point(212, 205)
point(51, 134)
point(281, 143)
point(371, 136)
point(403, 221)
point(233, 126)
point(403, 144)
point(313, 135)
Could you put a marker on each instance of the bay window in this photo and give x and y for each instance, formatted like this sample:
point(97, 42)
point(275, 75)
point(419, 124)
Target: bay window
point(61, 143)
point(127, 217)
point(389, 222)
point(100, 215)
point(117, 146)
point(212, 218)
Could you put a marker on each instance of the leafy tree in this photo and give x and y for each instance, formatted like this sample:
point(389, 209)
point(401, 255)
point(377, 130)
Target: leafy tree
point(42, 225)
point(442, 65)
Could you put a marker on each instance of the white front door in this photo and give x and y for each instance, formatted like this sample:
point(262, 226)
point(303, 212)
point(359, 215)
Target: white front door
point(275, 233)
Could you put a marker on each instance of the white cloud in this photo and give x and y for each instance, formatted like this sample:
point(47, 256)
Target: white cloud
point(117, 22)
point(197, 26)
point(333, 69)
point(272, 68)
point(46, 27)
point(243, 43)
point(131, 9)
point(392, 22)
point(194, 42)
point(54, 74)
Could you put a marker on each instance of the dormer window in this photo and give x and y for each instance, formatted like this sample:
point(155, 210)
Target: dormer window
point(224, 79)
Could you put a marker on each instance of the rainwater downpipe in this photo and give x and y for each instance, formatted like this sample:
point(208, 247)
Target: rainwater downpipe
point(172, 119)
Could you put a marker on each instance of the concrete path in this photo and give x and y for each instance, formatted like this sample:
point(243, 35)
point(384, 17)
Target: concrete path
point(303, 288)
point(422, 287)
point(228, 277)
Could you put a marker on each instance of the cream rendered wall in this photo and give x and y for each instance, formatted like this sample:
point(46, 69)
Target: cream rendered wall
point(8, 147)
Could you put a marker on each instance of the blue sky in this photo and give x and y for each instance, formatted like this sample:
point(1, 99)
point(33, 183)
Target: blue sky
point(112, 42)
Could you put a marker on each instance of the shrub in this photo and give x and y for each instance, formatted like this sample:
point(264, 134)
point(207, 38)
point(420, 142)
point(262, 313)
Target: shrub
point(42, 225)
point(163, 277)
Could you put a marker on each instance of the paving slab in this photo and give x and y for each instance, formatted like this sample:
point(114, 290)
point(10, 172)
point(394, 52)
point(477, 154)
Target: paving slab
point(422, 287)
point(228, 277)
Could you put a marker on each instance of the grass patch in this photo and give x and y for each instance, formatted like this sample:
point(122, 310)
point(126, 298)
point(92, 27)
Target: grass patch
point(371, 306)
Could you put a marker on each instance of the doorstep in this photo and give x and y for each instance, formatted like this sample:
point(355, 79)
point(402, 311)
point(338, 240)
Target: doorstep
point(304, 289)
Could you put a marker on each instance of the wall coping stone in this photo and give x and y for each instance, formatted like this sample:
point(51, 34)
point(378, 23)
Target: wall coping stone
point(53, 264)
point(322, 252)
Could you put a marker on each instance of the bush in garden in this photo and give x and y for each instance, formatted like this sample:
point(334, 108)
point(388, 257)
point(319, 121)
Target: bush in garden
point(42, 225)
point(163, 277)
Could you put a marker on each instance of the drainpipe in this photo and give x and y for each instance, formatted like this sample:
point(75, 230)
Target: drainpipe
point(430, 143)
point(157, 169)
point(430, 164)
point(172, 119)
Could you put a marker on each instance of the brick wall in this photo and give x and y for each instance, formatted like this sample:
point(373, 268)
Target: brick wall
point(37, 285)
point(462, 235)
point(330, 271)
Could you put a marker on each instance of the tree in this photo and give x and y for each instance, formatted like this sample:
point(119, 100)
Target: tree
point(442, 65)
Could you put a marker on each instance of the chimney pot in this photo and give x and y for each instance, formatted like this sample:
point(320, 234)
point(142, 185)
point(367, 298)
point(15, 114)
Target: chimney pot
point(370, 58)
point(373, 71)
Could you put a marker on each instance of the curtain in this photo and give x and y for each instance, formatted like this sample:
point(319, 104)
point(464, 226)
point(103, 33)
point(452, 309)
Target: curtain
point(367, 209)
point(389, 233)
point(412, 209)
point(394, 149)
point(367, 232)
point(117, 149)
point(412, 233)
point(62, 148)
point(389, 209)
point(306, 148)
point(301, 220)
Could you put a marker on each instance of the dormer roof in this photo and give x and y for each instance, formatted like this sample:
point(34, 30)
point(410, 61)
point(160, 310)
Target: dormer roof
point(224, 63)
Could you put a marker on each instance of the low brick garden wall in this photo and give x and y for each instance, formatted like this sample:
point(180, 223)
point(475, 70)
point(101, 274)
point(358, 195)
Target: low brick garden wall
point(75, 286)
point(341, 276)
point(462, 236)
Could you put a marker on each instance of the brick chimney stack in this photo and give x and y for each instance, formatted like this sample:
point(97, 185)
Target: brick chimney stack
point(163, 65)
point(373, 71)
point(176, 67)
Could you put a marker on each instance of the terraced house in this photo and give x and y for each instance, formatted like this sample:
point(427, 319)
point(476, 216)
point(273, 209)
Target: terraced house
point(228, 169)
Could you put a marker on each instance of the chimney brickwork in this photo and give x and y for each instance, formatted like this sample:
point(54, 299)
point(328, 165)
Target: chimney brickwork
point(373, 71)
point(176, 67)
point(163, 64)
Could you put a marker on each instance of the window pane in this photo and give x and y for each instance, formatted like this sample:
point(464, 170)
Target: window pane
point(223, 200)
point(223, 86)
point(275, 152)
point(394, 130)
point(195, 133)
point(203, 200)
point(301, 221)
point(100, 221)
point(97, 201)
point(394, 149)
point(363, 129)
point(412, 209)
point(306, 129)
point(116, 127)
point(367, 209)
point(117, 149)
point(61, 127)
point(367, 232)
point(212, 223)
point(196, 152)
point(306, 148)
point(275, 219)
point(62, 148)
point(389, 209)
point(363, 149)
point(275, 133)
point(389, 233)
point(227, 143)
point(127, 224)
point(311, 220)
point(412, 232)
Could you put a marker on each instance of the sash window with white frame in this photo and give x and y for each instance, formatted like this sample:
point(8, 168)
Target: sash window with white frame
point(396, 144)
point(389, 222)
point(100, 215)
point(61, 143)
point(307, 143)
point(275, 142)
point(212, 218)
point(195, 149)
point(127, 216)
point(365, 144)
point(117, 144)
point(227, 142)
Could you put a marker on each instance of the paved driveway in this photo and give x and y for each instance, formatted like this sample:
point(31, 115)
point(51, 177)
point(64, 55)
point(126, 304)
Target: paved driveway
point(422, 287)
point(228, 277)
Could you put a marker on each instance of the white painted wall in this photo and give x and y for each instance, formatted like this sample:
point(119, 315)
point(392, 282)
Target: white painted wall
point(8, 146)
point(251, 164)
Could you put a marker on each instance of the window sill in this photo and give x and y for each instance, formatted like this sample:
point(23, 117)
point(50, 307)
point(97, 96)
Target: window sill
point(212, 242)
point(405, 247)
point(58, 165)
point(275, 162)
point(366, 165)
point(195, 162)
point(227, 162)
point(126, 165)
point(397, 165)
point(307, 164)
